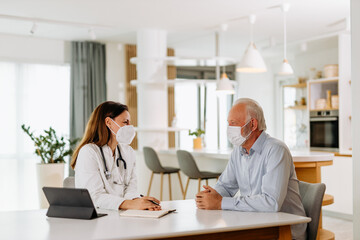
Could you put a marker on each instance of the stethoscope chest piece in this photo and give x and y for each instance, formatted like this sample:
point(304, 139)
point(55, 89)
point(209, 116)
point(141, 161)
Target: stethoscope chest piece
point(107, 172)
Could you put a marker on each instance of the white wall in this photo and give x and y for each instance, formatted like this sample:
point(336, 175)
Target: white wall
point(317, 59)
point(355, 87)
point(115, 72)
point(260, 87)
point(34, 50)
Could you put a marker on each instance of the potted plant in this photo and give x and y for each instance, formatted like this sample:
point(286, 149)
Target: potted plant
point(52, 151)
point(197, 141)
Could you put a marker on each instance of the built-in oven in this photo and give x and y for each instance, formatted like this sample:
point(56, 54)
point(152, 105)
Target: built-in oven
point(324, 130)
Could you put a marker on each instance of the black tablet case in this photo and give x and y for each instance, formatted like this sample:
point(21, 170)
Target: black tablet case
point(70, 203)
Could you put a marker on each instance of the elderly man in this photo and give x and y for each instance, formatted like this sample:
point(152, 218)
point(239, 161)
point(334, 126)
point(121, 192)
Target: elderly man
point(261, 167)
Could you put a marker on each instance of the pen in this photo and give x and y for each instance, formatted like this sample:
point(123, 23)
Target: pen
point(151, 200)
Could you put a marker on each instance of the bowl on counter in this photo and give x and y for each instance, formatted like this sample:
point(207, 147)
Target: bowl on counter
point(320, 103)
point(331, 70)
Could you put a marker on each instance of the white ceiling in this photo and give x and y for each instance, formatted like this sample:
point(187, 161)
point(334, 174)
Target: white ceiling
point(190, 23)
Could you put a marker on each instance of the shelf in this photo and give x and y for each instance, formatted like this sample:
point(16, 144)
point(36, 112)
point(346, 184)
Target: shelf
point(323, 80)
point(171, 82)
point(301, 107)
point(324, 109)
point(169, 129)
point(188, 62)
point(300, 85)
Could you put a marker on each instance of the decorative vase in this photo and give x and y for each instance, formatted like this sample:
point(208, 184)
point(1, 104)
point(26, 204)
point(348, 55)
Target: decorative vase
point(197, 143)
point(49, 175)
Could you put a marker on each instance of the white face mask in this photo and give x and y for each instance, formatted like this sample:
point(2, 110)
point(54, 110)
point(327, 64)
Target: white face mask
point(125, 134)
point(234, 135)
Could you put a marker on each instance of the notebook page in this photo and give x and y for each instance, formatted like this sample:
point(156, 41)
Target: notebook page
point(145, 213)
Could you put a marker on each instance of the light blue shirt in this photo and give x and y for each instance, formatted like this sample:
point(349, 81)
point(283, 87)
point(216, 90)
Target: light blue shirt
point(266, 179)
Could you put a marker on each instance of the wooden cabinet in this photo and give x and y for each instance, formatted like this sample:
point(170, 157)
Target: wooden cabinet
point(295, 116)
point(338, 86)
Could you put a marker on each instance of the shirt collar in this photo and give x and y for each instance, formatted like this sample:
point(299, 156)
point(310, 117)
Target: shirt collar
point(258, 144)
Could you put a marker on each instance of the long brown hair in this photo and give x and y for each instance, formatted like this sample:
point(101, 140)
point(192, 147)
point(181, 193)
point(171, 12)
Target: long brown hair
point(96, 130)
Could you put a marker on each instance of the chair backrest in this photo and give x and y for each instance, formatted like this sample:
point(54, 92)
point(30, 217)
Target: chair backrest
point(187, 164)
point(69, 182)
point(152, 160)
point(312, 196)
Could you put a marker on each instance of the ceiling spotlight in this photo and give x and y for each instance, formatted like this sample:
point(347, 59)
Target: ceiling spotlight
point(304, 46)
point(224, 27)
point(272, 42)
point(33, 28)
point(92, 34)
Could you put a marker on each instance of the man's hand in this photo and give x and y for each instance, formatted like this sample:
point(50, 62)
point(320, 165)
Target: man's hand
point(208, 199)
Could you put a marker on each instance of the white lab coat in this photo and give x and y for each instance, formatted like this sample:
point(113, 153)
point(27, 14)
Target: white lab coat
point(89, 174)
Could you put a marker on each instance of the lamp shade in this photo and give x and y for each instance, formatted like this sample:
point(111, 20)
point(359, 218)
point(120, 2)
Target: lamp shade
point(286, 68)
point(224, 86)
point(252, 62)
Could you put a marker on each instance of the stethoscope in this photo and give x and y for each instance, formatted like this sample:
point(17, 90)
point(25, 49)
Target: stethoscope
point(107, 172)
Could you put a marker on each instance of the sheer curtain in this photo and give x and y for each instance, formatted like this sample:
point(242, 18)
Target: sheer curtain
point(36, 95)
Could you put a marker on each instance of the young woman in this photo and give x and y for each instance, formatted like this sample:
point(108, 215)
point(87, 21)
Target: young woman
point(104, 162)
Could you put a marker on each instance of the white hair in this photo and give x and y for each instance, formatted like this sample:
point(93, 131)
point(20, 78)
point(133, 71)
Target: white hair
point(253, 110)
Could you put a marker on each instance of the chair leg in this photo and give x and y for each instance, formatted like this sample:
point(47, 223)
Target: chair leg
point(151, 178)
point(199, 185)
point(207, 182)
point(161, 185)
point(181, 186)
point(186, 188)
point(170, 186)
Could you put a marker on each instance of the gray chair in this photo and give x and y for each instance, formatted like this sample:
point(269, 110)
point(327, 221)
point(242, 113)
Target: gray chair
point(153, 163)
point(189, 168)
point(312, 195)
point(69, 182)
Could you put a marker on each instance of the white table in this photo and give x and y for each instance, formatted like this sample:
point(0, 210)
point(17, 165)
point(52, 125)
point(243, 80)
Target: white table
point(188, 221)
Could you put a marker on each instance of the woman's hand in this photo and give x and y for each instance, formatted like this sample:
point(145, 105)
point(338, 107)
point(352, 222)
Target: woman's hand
point(144, 203)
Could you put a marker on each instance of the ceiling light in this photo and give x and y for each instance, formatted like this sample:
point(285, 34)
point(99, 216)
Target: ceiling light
point(286, 68)
point(252, 61)
point(272, 42)
point(303, 47)
point(33, 28)
point(224, 27)
point(92, 34)
point(223, 85)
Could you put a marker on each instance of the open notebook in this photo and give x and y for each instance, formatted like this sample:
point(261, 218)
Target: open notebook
point(145, 213)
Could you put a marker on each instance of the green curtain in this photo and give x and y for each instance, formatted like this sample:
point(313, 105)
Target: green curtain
point(88, 84)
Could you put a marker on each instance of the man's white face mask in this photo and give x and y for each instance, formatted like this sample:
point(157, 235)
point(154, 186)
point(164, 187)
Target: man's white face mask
point(234, 134)
point(125, 134)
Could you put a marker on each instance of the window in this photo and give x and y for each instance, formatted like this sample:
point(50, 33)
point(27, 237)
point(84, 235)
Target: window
point(37, 95)
point(190, 111)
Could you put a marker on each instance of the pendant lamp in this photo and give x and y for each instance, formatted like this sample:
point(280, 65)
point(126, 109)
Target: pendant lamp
point(223, 85)
point(252, 61)
point(286, 68)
